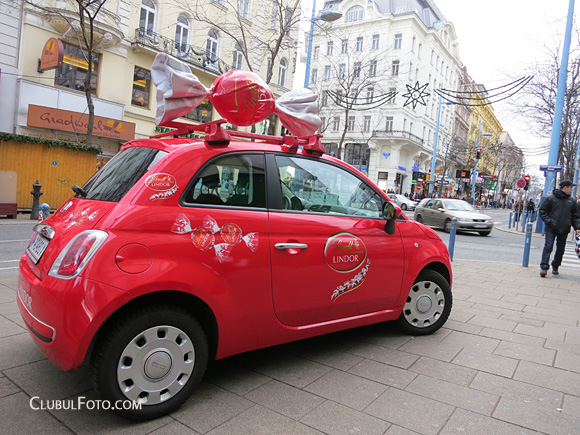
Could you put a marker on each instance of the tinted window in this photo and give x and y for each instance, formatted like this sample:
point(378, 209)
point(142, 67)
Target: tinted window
point(316, 186)
point(121, 173)
point(236, 180)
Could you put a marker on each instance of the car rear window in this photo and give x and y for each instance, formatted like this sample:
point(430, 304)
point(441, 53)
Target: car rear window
point(121, 173)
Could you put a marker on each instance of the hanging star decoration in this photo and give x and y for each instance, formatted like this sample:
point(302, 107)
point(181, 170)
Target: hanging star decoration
point(416, 95)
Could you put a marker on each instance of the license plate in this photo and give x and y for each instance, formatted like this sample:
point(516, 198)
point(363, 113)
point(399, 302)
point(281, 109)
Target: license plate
point(479, 226)
point(37, 247)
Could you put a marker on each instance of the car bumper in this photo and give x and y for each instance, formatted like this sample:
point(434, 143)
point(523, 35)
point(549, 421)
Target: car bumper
point(63, 316)
point(474, 226)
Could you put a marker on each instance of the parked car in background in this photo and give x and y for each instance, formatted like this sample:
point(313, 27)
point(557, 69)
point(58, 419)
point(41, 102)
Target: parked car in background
point(402, 201)
point(438, 212)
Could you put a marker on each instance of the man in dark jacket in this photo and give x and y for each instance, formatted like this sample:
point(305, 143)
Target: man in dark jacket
point(559, 211)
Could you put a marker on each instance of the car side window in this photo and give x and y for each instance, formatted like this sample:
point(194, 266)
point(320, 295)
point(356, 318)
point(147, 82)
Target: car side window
point(316, 186)
point(236, 180)
point(437, 205)
point(429, 204)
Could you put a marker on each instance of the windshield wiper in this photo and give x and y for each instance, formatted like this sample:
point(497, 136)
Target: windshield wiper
point(79, 191)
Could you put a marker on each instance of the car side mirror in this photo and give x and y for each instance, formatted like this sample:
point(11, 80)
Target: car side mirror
point(391, 212)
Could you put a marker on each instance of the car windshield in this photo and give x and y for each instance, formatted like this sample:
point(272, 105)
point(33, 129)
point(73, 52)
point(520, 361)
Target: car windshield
point(458, 205)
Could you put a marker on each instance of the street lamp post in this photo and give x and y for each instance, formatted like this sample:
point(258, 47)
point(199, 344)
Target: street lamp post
point(475, 167)
point(436, 141)
point(498, 175)
point(327, 16)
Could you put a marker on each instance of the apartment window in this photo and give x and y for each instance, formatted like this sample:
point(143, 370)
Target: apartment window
point(274, 15)
point(147, 17)
point(389, 125)
point(201, 113)
point(335, 123)
point(282, 69)
point(141, 87)
point(357, 69)
point(244, 9)
point(316, 52)
point(341, 70)
point(327, 72)
point(350, 123)
point(398, 41)
point(72, 73)
point(367, 124)
point(330, 48)
point(344, 46)
point(419, 50)
point(211, 47)
point(410, 71)
point(373, 68)
point(356, 13)
point(395, 68)
point(181, 34)
point(314, 76)
point(359, 43)
point(268, 67)
point(393, 93)
point(238, 58)
point(324, 98)
point(375, 42)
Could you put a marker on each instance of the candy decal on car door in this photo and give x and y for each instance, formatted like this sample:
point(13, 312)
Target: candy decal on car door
point(79, 217)
point(351, 284)
point(204, 236)
point(344, 252)
point(164, 184)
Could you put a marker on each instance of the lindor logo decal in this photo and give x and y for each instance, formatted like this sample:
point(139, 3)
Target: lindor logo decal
point(160, 182)
point(344, 252)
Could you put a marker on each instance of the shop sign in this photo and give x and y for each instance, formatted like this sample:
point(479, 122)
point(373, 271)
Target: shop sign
point(52, 54)
point(75, 122)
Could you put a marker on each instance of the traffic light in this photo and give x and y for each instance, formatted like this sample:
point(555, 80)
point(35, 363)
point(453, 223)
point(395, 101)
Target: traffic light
point(527, 179)
point(478, 153)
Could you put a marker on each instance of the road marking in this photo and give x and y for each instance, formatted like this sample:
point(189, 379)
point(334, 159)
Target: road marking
point(12, 241)
point(8, 268)
point(9, 261)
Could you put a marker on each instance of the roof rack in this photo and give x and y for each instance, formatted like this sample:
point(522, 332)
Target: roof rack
point(216, 135)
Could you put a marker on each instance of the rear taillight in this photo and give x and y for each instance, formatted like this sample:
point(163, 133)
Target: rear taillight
point(75, 256)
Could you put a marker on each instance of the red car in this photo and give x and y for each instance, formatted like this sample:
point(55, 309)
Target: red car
point(180, 251)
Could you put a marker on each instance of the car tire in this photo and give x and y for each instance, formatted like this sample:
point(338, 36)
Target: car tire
point(403, 206)
point(428, 305)
point(484, 233)
point(155, 356)
point(447, 225)
point(419, 219)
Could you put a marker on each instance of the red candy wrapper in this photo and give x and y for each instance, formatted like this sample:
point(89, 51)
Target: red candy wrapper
point(202, 238)
point(211, 224)
point(231, 233)
point(181, 225)
point(251, 241)
point(222, 251)
point(240, 97)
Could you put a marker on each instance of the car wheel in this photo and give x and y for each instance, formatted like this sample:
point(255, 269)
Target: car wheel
point(419, 219)
point(403, 206)
point(428, 304)
point(155, 357)
point(484, 233)
point(447, 225)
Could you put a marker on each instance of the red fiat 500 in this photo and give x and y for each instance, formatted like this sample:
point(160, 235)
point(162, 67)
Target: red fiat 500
point(181, 251)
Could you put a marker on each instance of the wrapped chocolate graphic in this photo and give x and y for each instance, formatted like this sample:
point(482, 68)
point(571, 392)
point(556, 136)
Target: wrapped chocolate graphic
point(211, 224)
point(222, 251)
point(241, 97)
point(202, 238)
point(251, 241)
point(181, 225)
point(231, 233)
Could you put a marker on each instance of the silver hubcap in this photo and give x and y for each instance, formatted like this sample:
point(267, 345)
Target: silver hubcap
point(156, 365)
point(425, 304)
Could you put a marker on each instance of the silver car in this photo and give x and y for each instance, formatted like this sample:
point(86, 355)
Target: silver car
point(402, 201)
point(439, 212)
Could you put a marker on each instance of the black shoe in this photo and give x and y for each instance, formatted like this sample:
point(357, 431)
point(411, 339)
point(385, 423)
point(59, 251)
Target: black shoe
point(543, 272)
point(555, 271)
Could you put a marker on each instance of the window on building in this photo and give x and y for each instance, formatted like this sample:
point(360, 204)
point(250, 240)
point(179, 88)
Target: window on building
point(211, 49)
point(367, 124)
point(244, 9)
point(238, 62)
point(413, 43)
point(268, 67)
point(357, 69)
point(419, 50)
point(389, 124)
point(376, 42)
point(410, 71)
point(350, 123)
point(330, 48)
point(370, 94)
point(335, 123)
point(356, 13)
point(147, 17)
point(327, 72)
point(282, 70)
point(398, 41)
point(314, 75)
point(141, 87)
point(359, 43)
point(358, 155)
point(373, 68)
point(181, 34)
point(72, 73)
point(344, 46)
point(324, 98)
point(274, 15)
point(393, 92)
point(341, 71)
point(316, 52)
point(201, 113)
point(395, 68)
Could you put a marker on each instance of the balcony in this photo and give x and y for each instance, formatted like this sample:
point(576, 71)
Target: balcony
point(398, 134)
point(196, 56)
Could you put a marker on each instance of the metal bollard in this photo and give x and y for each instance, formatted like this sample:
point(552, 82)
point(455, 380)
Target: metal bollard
point(452, 232)
point(527, 244)
point(36, 193)
point(510, 220)
point(524, 221)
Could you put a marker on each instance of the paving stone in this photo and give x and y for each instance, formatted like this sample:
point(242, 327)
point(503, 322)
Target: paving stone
point(546, 331)
point(432, 348)
point(338, 359)
point(453, 394)
point(444, 371)
point(462, 327)
point(572, 336)
point(464, 422)
point(7, 387)
point(468, 341)
point(459, 315)
point(525, 299)
point(561, 346)
point(497, 303)
point(519, 318)
point(568, 361)
point(548, 377)
point(295, 371)
point(504, 325)
point(571, 405)
point(16, 350)
point(383, 373)
point(333, 418)
point(495, 364)
point(234, 378)
point(536, 418)
point(9, 308)
point(16, 413)
point(385, 355)
point(551, 319)
point(356, 392)
point(209, 407)
point(290, 401)
point(517, 390)
point(7, 294)
point(411, 411)
point(174, 428)
point(511, 337)
point(550, 315)
point(259, 420)
point(398, 430)
point(526, 352)
point(8, 327)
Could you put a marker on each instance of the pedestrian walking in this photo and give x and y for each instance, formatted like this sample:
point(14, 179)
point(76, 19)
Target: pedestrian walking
point(559, 211)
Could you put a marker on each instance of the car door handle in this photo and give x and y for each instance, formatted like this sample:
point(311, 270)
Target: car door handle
point(290, 246)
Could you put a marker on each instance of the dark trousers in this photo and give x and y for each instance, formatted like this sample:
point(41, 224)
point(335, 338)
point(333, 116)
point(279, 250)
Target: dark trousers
point(549, 245)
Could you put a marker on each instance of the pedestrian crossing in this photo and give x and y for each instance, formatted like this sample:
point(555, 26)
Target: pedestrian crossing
point(570, 259)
